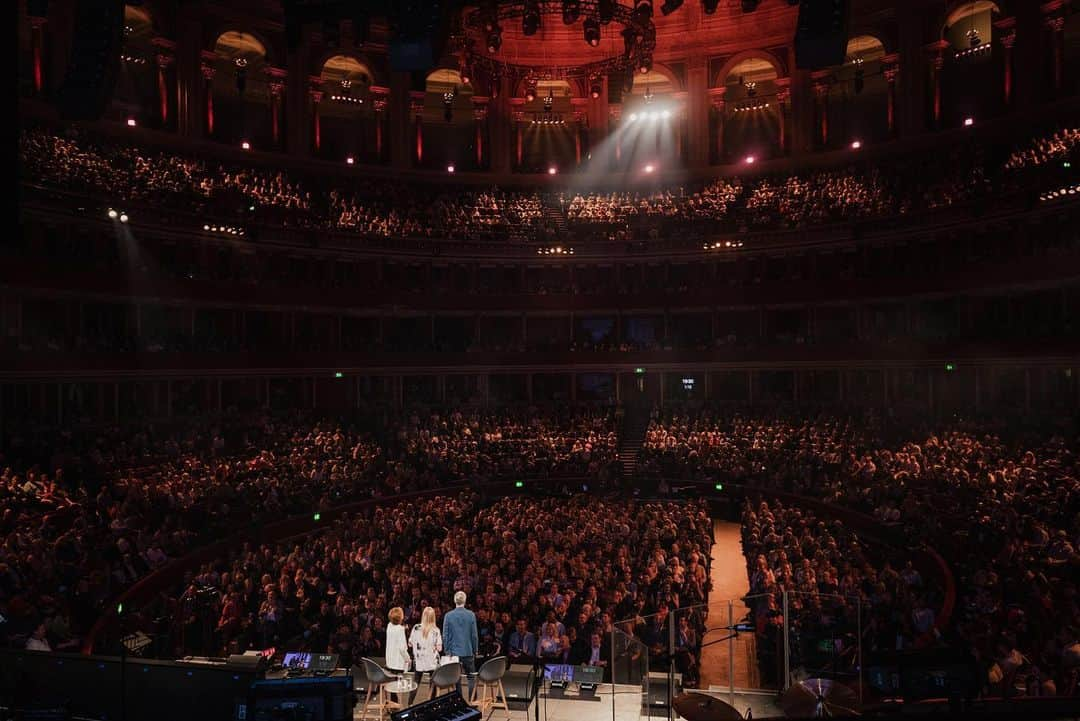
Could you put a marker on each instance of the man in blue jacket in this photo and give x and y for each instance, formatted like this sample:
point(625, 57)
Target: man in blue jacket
point(460, 639)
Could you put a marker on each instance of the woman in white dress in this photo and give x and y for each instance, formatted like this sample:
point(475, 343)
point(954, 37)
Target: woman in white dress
point(397, 650)
point(426, 643)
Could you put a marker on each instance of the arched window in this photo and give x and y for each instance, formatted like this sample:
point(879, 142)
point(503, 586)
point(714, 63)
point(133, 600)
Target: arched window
point(135, 95)
point(241, 90)
point(752, 122)
point(346, 113)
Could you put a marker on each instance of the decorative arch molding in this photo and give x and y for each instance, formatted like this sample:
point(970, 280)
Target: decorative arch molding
point(720, 79)
point(363, 60)
point(677, 85)
point(267, 46)
point(882, 33)
point(957, 10)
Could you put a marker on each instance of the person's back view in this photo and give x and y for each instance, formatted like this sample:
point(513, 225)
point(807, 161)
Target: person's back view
point(460, 638)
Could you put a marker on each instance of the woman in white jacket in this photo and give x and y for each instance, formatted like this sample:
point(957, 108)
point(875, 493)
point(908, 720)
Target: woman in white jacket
point(426, 643)
point(397, 650)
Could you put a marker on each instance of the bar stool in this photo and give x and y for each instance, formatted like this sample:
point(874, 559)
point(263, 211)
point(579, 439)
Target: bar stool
point(377, 676)
point(444, 679)
point(489, 693)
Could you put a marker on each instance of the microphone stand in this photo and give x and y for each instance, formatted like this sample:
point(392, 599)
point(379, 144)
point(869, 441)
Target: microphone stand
point(537, 684)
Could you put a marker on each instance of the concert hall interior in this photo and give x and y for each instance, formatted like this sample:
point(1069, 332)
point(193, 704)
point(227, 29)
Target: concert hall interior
point(549, 360)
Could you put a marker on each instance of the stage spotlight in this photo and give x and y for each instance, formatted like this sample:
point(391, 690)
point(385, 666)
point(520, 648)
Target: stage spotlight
point(856, 144)
point(709, 6)
point(595, 88)
point(465, 75)
point(123, 218)
point(646, 64)
point(494, 40)
point(649, 168)
point(591, 29)
point(643, 10)
point(552, 170)
point(450, 168)
point(633, 117)
point(131, 122)
point(666, 114)
point(605, 11)
point(749, 6)
point(113, 214)
point(630, 39)
point(670, 6)
point(749, 159)
point(571, 11)
point(530, 18)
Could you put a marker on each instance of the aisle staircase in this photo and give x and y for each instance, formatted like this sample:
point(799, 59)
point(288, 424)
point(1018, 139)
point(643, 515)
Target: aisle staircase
point(553, 216)
point(631, 437)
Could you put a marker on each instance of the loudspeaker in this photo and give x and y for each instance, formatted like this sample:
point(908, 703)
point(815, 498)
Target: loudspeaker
point(95, 59)
point(821, 34)
point(519, 683)
point(657, 700)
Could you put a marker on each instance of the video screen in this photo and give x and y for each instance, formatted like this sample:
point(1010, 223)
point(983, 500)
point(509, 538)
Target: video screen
point(589, 674)
point(297, 660)
point(559, 672)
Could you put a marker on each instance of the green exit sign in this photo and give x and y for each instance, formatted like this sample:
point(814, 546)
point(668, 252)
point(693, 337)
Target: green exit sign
point(339, 374)
point(950, 367)
point(719, 486)
point(519, 484)
point(317, 516)
point(639, 371)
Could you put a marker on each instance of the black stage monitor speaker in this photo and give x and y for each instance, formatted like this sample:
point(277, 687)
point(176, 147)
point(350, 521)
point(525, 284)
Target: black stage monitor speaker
point(94, 61)
point(519, 684)
point(658, 698)
point(821, 34)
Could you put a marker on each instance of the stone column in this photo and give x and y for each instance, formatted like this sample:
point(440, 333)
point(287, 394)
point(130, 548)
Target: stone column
point(614, 114)
point(1055, 24)
point(783, 99)
point(208, 73)
point(597, 117)
point(164, 60)
point(697, 111)
point(822, 82)
point(379, 101)
point(716, 99)
point(936, 51)
point(276, 78)
point(316, 94)
point(416, 109)
point(37, 45)
point(890, 68)
point(480, 113)
point(1006, 28)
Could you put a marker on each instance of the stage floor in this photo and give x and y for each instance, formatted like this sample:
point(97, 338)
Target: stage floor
point(627, 706)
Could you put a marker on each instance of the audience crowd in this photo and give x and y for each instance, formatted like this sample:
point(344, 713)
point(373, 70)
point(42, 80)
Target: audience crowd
point(1003, 512)
point(548, 579)
point(120, 504)
point(391, 209)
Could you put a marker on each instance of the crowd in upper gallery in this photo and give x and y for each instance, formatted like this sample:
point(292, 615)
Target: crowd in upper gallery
point(227, 192)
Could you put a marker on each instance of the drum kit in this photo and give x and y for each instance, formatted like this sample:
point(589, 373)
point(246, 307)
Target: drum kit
point(810, 698)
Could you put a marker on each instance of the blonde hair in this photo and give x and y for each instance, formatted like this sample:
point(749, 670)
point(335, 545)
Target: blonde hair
point(397, 615)
point(427, 621)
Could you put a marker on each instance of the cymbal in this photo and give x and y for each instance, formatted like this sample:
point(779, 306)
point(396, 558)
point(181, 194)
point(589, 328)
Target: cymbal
point(699, 707)
point(818, 697)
